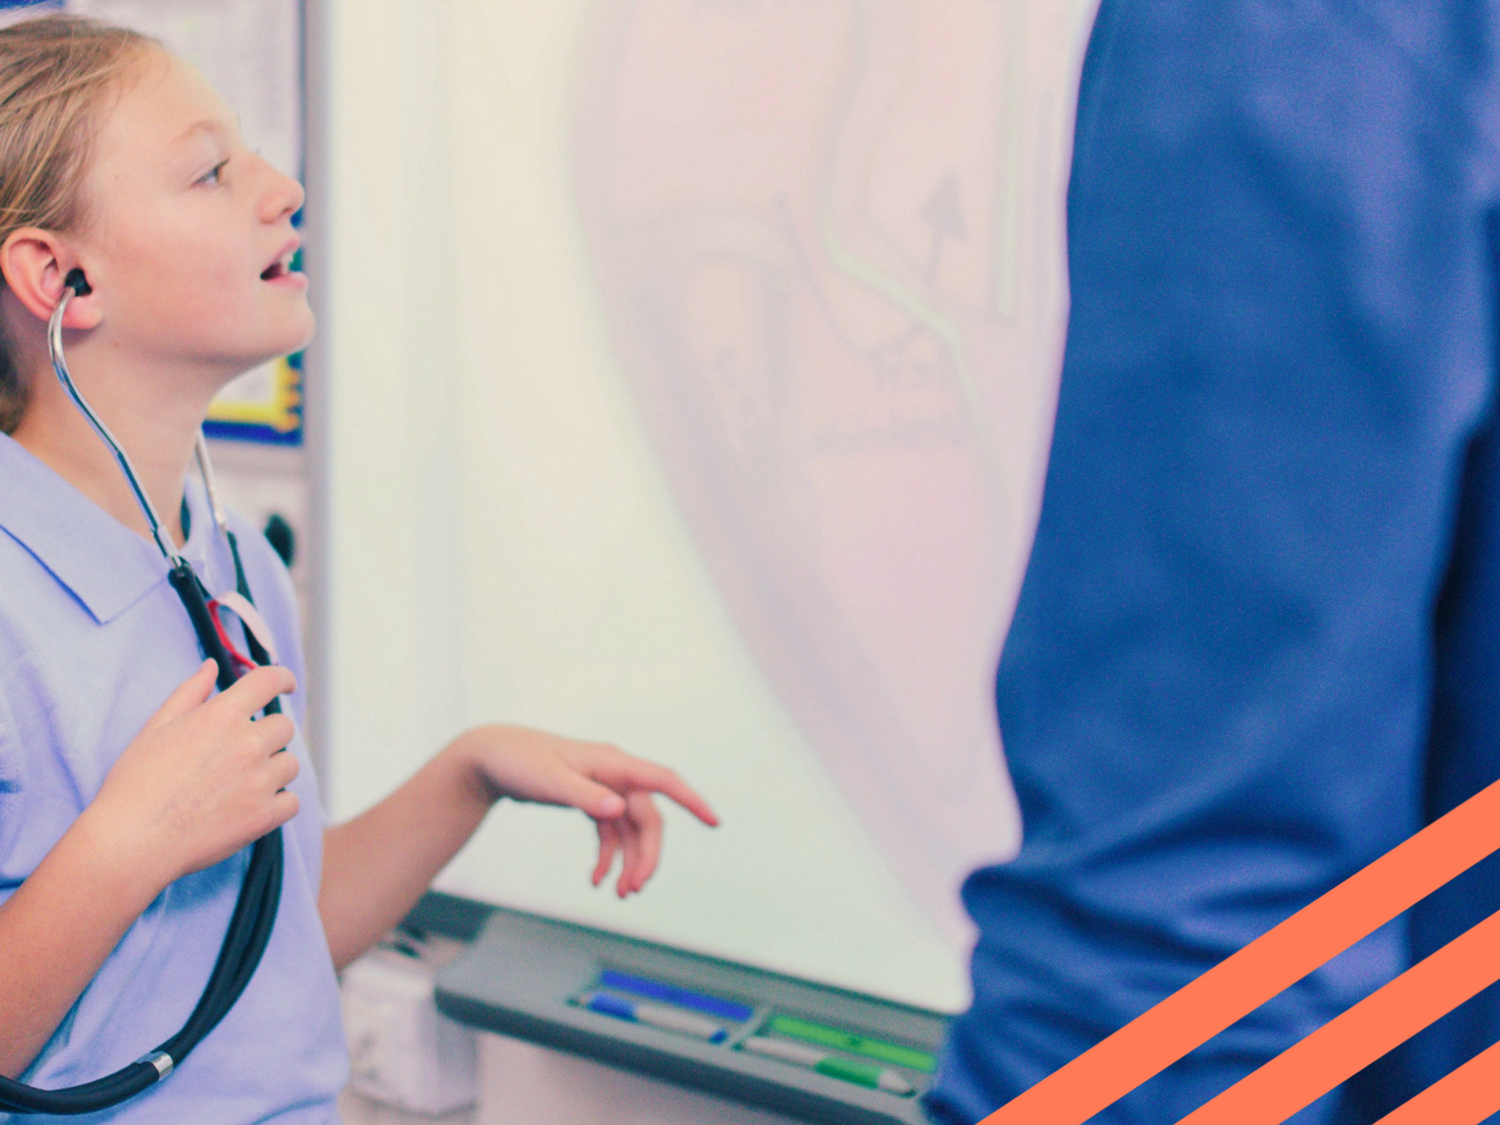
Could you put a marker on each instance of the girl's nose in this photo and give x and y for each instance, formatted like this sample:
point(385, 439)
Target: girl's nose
point(283, 196)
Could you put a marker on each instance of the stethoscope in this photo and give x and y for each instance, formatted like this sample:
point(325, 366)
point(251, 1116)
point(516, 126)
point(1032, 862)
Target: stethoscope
point(260, 894)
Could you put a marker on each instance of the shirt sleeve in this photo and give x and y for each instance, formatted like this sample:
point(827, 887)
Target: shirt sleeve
point(1463, 759)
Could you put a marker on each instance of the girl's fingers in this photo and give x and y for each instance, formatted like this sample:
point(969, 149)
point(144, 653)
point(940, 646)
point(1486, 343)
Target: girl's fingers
point(634, 773)
point(251, 692)
point(568, 787)
point(549, 778)
point(631, 843)
point(284, 769)
point(284, 806)
point(274, 732)
point(689, 799)
point(641, 828)
point(609, 845)
point(192, 692)
point(630, 870)
point(646, 821)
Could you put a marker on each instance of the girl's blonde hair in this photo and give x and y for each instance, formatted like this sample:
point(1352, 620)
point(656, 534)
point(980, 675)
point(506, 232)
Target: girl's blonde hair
point(55, 72)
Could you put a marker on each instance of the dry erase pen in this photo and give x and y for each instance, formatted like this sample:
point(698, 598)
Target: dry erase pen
point(676, 995)
point(654, 1015)
point(875, 1077)
point(878, 1049)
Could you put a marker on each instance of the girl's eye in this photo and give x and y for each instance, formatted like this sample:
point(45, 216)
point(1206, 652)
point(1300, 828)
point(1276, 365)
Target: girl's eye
point(214, 174)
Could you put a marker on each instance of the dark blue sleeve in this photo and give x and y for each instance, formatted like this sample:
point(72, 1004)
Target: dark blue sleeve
point(1463, 758)
point(1229, 671)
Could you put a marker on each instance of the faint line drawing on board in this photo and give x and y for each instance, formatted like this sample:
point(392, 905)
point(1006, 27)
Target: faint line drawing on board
point(826, 235)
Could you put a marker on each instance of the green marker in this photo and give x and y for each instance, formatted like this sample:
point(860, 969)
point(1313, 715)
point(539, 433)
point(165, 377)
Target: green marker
point(863, 1074)
point(855, 1044)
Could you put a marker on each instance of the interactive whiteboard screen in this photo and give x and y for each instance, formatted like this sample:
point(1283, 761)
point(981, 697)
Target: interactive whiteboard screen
point(692, 366)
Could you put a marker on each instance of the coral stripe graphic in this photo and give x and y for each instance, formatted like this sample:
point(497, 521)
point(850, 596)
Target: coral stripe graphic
point(1277, 959)
point(1386, 1018)
point(1466, 1097)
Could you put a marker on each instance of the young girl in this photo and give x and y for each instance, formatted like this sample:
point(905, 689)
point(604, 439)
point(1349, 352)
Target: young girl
point(128, 789)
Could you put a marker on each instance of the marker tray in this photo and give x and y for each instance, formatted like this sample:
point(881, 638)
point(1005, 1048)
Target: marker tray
point(530, 977)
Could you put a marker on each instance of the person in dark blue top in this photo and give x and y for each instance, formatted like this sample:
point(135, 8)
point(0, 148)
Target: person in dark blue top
point(1258, 642)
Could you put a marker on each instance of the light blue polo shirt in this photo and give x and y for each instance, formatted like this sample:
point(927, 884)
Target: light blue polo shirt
point(92, 641)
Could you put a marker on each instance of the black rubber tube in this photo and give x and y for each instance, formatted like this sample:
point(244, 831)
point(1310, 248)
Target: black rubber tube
point(245, 941)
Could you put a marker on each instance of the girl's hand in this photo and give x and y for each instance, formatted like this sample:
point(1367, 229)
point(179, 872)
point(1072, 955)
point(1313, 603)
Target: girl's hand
point(202, 780)
point(606, 783)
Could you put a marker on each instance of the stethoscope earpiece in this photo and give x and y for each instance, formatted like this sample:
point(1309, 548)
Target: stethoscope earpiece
point(78, 283)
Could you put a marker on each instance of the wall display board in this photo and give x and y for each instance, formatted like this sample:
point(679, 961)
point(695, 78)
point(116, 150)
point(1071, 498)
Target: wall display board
point(13, 10)
point(692, 366)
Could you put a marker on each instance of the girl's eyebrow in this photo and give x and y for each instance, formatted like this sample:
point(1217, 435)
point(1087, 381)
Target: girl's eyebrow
point(210, 125)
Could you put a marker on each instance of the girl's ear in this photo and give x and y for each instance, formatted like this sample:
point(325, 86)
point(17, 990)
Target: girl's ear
point(35, 264)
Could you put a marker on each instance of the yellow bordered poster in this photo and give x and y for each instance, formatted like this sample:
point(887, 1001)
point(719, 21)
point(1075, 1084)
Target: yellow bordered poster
point(261, 405)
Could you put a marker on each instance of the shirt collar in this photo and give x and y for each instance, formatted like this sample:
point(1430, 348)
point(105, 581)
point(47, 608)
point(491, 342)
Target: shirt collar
point(103, 563)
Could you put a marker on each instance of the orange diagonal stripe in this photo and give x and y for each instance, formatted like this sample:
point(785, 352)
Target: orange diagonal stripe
point(1277, 959)
point(1466, 1097)
point(1386, 1018)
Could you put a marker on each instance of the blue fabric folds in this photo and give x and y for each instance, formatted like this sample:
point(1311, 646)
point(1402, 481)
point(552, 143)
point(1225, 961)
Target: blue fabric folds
point(1258, 642)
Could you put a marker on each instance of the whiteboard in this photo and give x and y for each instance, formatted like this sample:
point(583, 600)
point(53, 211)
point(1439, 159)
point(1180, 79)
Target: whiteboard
point(691, 366)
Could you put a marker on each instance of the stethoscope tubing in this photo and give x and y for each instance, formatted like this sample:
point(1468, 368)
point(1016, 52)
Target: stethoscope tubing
point(60, 368)
point(255, 908)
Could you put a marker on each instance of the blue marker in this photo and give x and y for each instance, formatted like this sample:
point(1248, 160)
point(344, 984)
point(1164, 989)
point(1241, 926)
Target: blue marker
point(654, 1015)
point(678, 997)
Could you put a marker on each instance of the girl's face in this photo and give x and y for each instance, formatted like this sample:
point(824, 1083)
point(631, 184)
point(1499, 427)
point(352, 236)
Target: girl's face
point(189, 236)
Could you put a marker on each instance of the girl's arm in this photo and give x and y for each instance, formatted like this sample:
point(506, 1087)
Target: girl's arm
point(377, 865)
point(58, 929)
point(199, 783)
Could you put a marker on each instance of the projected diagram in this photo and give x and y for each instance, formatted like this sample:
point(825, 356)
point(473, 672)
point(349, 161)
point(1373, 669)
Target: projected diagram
point(827, 237)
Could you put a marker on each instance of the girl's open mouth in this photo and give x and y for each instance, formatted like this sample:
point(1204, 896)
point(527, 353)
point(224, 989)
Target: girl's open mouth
point(281, 269)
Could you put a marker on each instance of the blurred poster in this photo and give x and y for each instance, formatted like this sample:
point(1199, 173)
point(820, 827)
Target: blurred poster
point(251, 51)
point(13, 10)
